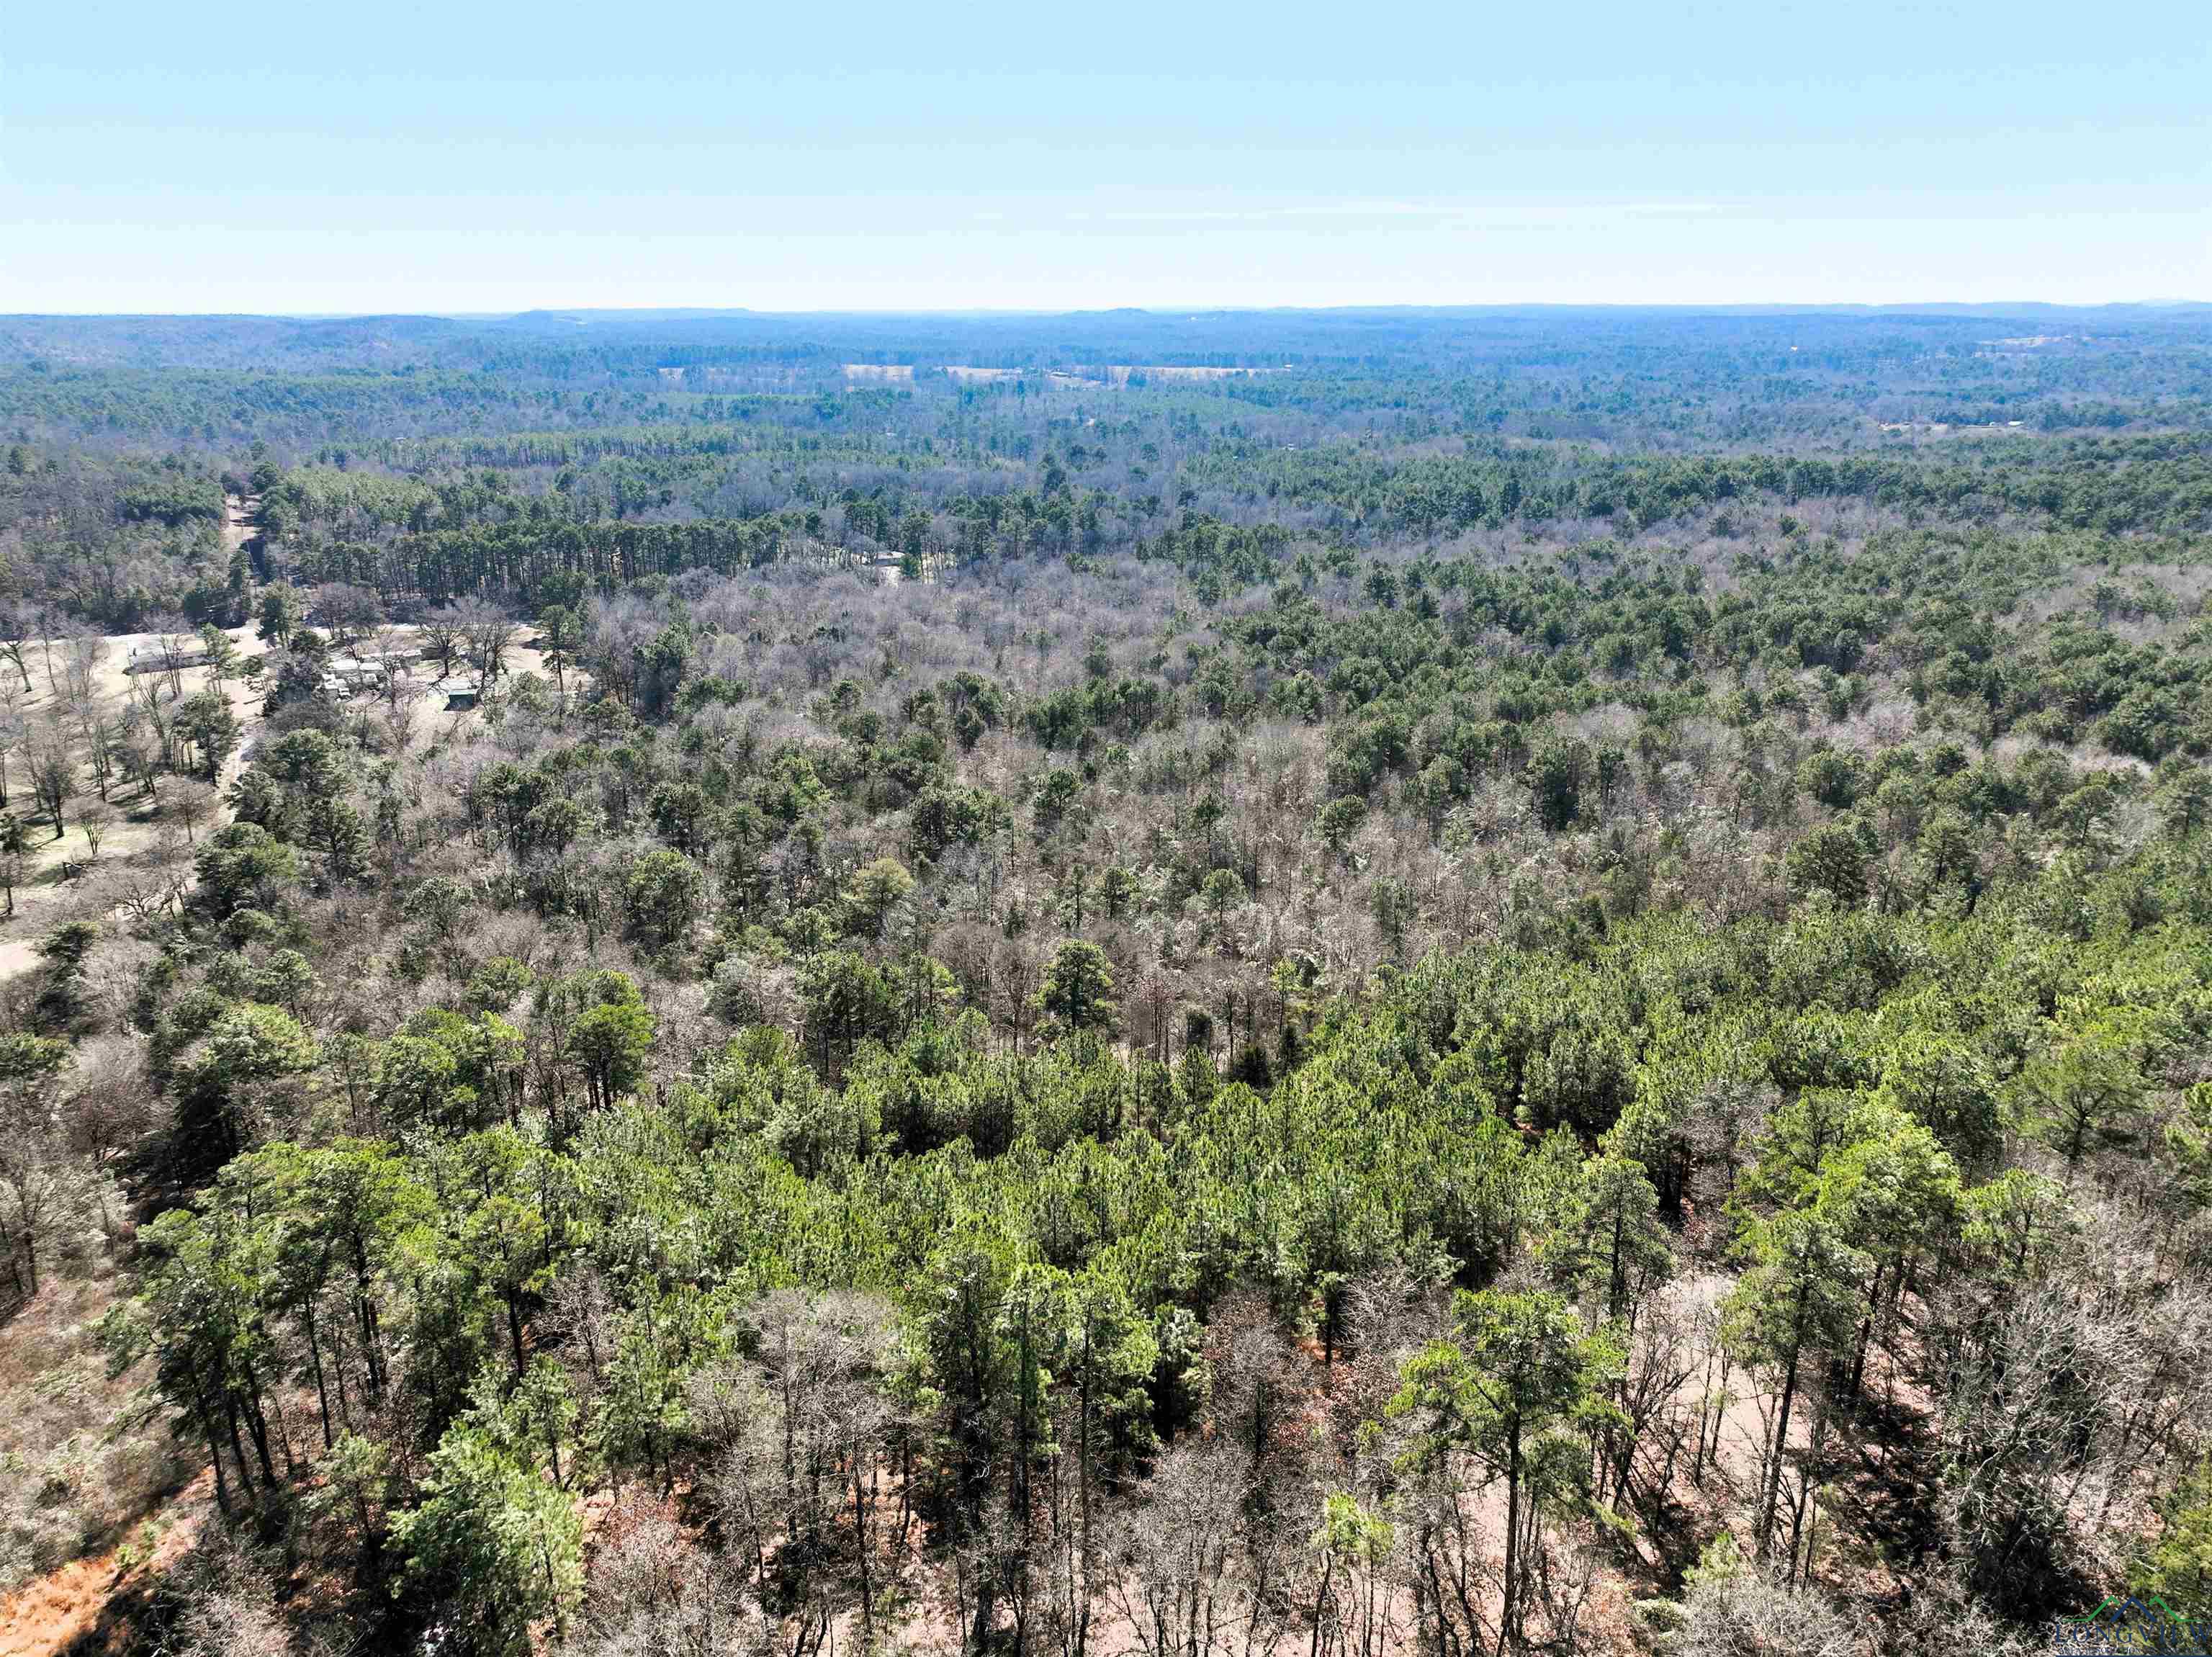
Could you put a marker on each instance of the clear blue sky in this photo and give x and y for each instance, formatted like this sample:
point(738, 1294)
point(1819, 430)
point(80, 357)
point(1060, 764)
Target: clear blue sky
point(492, 157)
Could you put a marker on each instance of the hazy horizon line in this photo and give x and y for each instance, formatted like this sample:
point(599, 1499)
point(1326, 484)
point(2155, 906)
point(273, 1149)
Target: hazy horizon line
point(701, 313)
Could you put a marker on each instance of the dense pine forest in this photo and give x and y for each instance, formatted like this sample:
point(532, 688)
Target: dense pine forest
point(1367, 984)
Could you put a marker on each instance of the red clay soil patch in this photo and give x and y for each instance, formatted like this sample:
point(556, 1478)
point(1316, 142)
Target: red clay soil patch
point(73, 1609)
